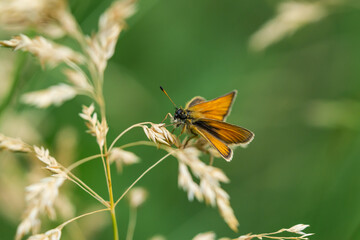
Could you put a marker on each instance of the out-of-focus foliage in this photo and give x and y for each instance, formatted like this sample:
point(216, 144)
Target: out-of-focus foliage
point(300, 96)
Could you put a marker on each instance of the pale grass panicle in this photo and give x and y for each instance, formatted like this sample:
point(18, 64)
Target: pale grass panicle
point(53, 234)
point(159, 134)
point(45, 50)
point(79, 80)
point(297, 229)
point(137, 196)
point(186, 182)
point(49, 17)
point(205, 236)
point(209, 187)
point(96, 128)
point(291, 15)
point(13, 144)
point(122, 157)
point(20, 14)
point(45, 193)
point(101, 46)
point(43, 155)
point(40, 198)
point(54, 95)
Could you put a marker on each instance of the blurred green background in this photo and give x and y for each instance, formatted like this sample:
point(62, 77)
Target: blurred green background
point(301, 98)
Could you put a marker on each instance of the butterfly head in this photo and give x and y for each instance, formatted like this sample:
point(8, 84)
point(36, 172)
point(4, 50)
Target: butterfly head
point(180, 115)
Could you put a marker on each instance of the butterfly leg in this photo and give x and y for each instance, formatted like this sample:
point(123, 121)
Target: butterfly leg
point(211, 160)
point(188, 140)
point(168, 114)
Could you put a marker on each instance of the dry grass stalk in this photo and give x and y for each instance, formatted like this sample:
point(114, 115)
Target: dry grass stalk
point(66, 21)
point(101, 46)
point(53, 234)
point(48, 52)
point(79, 80)
point(13, 144)
point(40, 198)
point(54, 95)
point(159, 134)
point(297, 229)
point(50, 17)
point(209, 188)
point(43, 155)
point(96, 128)
point(20, 14)
point(291, 16)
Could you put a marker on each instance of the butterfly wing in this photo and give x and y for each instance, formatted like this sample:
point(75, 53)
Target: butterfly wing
point(221, 134)
point(228, 133)
point(194, 101)
point(222, 148)
point(217, 108)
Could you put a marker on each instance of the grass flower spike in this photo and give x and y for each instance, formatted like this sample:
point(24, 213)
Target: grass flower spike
point(209, 187)
point(13, 144)
point(96, 128)
point(291, 15)
point(159, 134)
point(53, 234)
point(43, 155)
point(54, 95)
point(46, 51)
point(40, 198)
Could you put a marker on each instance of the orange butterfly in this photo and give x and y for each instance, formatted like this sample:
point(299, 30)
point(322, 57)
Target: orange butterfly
point(207, 119)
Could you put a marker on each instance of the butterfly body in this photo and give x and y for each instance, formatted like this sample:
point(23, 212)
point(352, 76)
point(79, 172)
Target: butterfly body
point(207, 119)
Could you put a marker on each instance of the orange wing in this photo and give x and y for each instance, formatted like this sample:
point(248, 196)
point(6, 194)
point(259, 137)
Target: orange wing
point(228, 133)
point(222, 148)
point(217, 108)
point(220, 134)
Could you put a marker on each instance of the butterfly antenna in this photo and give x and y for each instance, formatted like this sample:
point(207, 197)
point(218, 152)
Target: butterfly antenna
point(167, 95)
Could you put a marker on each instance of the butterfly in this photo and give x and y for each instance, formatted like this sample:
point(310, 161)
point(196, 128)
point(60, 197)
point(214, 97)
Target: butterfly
point(207, 119)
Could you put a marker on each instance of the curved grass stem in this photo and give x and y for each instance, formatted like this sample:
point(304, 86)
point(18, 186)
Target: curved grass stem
point(125, 131)
point(83, 215)
point(143, 174)
point(82, 161)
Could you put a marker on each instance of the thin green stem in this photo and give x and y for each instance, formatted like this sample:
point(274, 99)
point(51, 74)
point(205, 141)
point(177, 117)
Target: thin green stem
point(132, 223)
point(108, 182)
point(125, 131)
point(143, 174)
point(85, 187)
point(83, 215)
point(111, 196)
point(146, 143)
point(82, 161)
point(139, 143)
point(105, 158)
